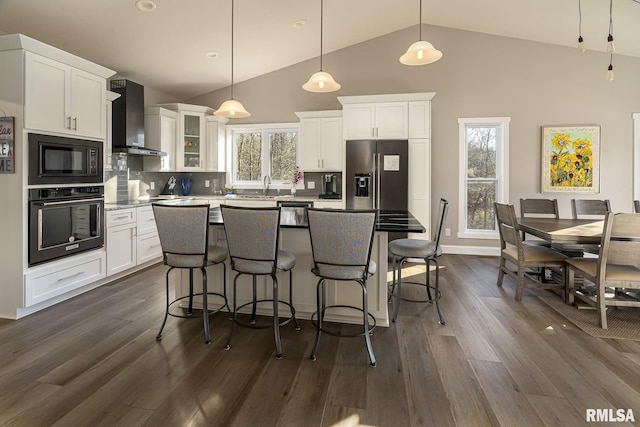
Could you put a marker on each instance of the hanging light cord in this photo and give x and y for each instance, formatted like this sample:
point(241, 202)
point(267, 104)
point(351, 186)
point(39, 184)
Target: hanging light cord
point(420, 21)
point(610, 18)
point(321, 24)
point(579, 20)
point(232, 4)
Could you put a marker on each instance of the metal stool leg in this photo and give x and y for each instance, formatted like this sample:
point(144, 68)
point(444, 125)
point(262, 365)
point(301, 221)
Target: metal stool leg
point(399, 290)
point(227, 346)
point(205, 307)
point(253, 309)
point(298, 327)
point(190, 312)
point(438, 295)
point(320, 304)
point(276, 320)
point(166, 312)
point(365, 322)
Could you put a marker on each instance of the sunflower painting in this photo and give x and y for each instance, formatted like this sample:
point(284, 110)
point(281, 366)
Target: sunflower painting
point(570, 159)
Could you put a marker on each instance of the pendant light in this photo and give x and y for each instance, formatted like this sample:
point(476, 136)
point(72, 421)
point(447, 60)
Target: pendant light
point(421, 52)
point(321, 81)
point(231, 108)
point(610, 46)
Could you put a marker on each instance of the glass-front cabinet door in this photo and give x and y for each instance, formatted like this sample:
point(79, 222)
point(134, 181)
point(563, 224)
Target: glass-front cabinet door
point(191, 136)
point(193, 153)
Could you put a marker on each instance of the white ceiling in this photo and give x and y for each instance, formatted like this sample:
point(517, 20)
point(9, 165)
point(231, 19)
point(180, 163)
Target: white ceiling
point(166, 49)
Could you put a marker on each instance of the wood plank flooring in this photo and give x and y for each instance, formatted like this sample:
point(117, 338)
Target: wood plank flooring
point(94, 361)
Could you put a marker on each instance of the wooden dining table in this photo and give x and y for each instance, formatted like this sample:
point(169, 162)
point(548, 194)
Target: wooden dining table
point(564, 231)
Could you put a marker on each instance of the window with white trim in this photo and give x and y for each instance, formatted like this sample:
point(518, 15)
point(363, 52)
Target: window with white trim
point(484, 173)
point(261, 150)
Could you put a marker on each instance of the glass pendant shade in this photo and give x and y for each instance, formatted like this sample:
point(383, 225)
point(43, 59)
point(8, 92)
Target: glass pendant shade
point(232, 109)
point(321, 82)
point(421, 53)
point(610, 73)
point(581, 47)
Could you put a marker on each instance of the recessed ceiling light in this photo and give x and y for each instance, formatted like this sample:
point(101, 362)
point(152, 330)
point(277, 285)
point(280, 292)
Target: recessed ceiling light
point(300, 23)
point(212, 55)
point(146, 5)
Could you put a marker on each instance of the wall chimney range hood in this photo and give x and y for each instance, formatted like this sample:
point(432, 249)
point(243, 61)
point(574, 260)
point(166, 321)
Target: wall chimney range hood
point(128, 119)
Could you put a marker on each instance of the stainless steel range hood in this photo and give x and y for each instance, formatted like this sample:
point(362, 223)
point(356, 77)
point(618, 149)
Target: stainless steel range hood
point(139, 151)
point(128, 120)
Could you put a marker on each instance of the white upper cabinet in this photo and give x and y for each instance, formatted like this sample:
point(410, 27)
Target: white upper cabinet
point(160, 134)
point(215, 131)
point(419, 119)
point(383, 120)
point(320, 145)
point(191, 147)
point(63, 99)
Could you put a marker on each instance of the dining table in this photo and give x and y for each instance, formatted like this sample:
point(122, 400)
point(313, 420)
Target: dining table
point(565, 231)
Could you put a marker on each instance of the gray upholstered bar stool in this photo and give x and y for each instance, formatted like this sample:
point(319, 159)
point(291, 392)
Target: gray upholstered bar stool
point(184, 238)
point(341, 243)
point(252, 239)
point(402, 250)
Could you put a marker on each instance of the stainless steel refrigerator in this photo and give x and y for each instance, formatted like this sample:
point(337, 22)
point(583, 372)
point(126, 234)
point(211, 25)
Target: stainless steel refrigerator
point(377, 175)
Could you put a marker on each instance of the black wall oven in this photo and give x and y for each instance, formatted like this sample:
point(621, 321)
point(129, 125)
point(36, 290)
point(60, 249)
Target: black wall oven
point(64, 221)
point(60, 160)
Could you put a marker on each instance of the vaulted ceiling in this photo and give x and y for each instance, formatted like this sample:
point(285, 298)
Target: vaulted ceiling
point(167, 48)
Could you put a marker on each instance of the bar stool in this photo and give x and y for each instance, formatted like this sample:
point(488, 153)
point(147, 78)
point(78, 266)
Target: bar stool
point(252, 239)
point(429, 250)
point(341, 243)
point(184, 237)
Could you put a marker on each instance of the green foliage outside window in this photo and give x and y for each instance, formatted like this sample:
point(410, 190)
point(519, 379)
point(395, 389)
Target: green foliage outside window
point(481, 177)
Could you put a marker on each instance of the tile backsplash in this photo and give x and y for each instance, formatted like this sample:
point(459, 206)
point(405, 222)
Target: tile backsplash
point(127, 181)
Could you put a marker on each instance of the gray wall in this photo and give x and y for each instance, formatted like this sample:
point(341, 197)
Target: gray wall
point(479, 75)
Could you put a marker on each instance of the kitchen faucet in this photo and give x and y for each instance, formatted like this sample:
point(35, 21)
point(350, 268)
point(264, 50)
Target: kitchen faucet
point(265, 184)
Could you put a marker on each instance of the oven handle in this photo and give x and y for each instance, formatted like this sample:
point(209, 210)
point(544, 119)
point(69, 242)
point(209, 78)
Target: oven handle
point(66, 202)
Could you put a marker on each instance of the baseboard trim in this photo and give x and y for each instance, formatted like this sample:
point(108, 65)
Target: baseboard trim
point(471, 250)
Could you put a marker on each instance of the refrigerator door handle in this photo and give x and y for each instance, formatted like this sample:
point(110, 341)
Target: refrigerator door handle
point(378, 181)
point(374, 189)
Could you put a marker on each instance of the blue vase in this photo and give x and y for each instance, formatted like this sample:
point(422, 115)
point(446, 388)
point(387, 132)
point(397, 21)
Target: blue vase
point(185, 185)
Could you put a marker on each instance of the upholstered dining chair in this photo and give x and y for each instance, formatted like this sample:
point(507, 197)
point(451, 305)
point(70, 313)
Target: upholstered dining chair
point(184, 235)
point(617, 266)
point(402, 250)
point(252, 239)
point(341, 243)
point(513, 251)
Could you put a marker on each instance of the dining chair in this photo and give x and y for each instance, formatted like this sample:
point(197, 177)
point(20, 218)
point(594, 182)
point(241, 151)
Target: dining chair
point(636, 206)
point(538, 208)
point(513, 251)
point(184, 236)
point(253, 242)
point(402, 250)
point(617, 266)
point(341, 244)
point(590, 209)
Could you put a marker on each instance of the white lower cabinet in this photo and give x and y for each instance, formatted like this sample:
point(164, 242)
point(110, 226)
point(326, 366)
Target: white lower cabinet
point(147, 239)
point(328, 204)
point(132, 238)
point(121, 240)
point(45, 282)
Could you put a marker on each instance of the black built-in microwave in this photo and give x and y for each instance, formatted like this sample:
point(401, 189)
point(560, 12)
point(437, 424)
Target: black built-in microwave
point(63, 160)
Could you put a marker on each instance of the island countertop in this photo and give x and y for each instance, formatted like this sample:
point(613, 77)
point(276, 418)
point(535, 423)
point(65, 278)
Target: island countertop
point(295, 217)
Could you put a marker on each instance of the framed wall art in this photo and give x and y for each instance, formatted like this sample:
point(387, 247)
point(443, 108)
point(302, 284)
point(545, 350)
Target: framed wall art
point(571, 159)
point(6, 145)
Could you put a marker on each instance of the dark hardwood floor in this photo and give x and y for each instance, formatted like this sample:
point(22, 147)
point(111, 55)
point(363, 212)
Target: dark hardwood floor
point(94, 361)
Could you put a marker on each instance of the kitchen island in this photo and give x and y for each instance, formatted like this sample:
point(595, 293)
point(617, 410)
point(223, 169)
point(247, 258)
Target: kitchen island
point(294, 238)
